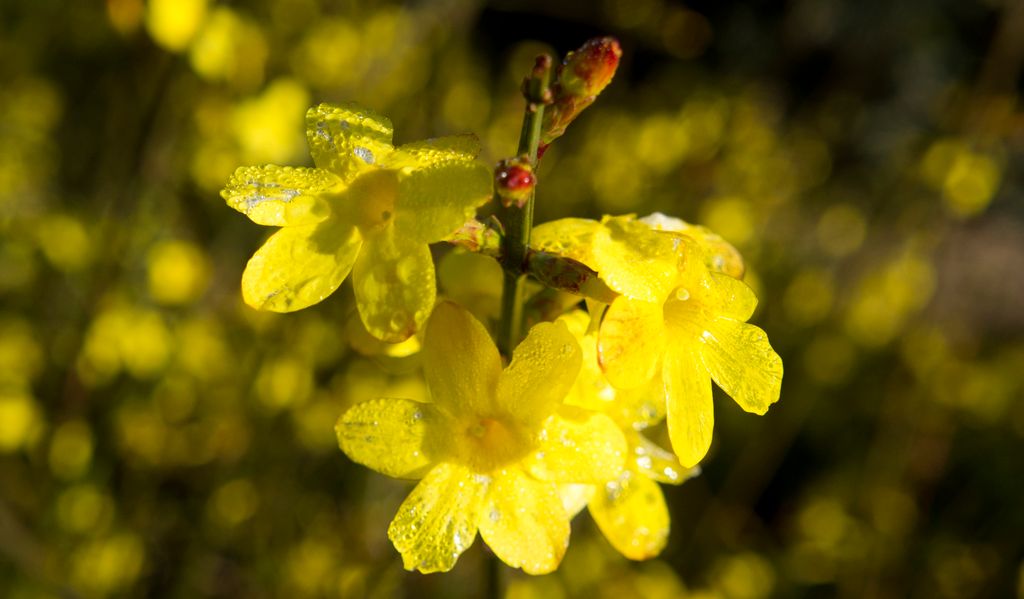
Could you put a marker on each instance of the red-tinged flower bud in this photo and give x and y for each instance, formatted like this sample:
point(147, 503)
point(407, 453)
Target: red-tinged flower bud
point(590, 69)
point(514, 182)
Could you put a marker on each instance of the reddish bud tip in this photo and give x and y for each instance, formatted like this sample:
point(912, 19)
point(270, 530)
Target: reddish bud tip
point(514, 181)
point(590, 69)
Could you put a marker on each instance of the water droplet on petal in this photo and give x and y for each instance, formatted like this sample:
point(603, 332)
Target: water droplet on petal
point(364, 154)
point(494, 514)
point(682, 294)
point(406, 269)
point(399, 321)
point(612, 490)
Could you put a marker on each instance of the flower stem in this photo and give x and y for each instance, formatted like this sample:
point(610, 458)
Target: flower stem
point(518, 219)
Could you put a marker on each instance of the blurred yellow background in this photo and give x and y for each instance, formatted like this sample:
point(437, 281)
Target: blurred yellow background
point(158, 438)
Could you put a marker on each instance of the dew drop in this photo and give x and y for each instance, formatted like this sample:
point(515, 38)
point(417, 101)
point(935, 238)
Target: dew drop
point(612, 491)
point(682, 294)
point(644, 462)
point(399, 320)
point(364, 154)
point(406, 270)
point(494, 514)
point(417, 415)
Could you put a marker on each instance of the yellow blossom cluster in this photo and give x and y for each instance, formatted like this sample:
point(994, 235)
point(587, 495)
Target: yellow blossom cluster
point(512, 452)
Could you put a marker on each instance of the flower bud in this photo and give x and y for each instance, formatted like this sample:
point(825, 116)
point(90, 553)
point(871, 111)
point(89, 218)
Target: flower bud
point(587, 71)
point(583, 75)
point(514, 181)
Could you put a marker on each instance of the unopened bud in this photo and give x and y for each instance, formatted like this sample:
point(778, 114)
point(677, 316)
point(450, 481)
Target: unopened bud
point(587, 71)
point(514, 181)
point(583, 75)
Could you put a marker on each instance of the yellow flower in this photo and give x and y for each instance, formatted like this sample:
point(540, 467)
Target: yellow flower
point(367, 208)
point(629, 509)
point(676, 314)
point(492, 447)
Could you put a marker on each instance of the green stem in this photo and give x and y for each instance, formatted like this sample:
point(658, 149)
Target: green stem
point(518, 221)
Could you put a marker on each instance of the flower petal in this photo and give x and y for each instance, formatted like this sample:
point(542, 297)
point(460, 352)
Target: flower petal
point(742, 363)
point(438, 520)
point(640, 407)
point(731, 297)
point(387, 435)
point(435, 201)
point(434, 152)
point(543, 369)
point(634, 260)
point(524, 522)
point(631, 342)
point(591, 390)
point(281, 196)
point(719, 254)
point(655, 463)
point(300, 266)
point(578, 446)
point(631, 513)
point(460, 361)
point(691, 415)
point(346, 138)
point(575, 497)
point(394, 286)
point(569, 237)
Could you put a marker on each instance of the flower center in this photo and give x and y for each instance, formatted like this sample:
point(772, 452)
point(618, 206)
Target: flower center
point(682, 310)
point(372, 197)
point(490, 442)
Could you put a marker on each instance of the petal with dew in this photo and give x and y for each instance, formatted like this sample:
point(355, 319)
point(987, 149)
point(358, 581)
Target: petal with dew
point(281, 196)
point(460, 361)
point(439, 151)
point(524, 522)
point(346, 138)
point(575, 497)
point(436, 200)
point(631, 342)
point(543, 369)
point(655, 463)
point(631, 513)
point(300, 266)
point(569, 237)
point(742, 363)
point(720, 255)
point(730, 297)
point(387, 435)
point(394, 286)
point(578, 446)
point(438, 520)
point(640, 407)
point(691, 415)
point(591, 390)
point(634, 260)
